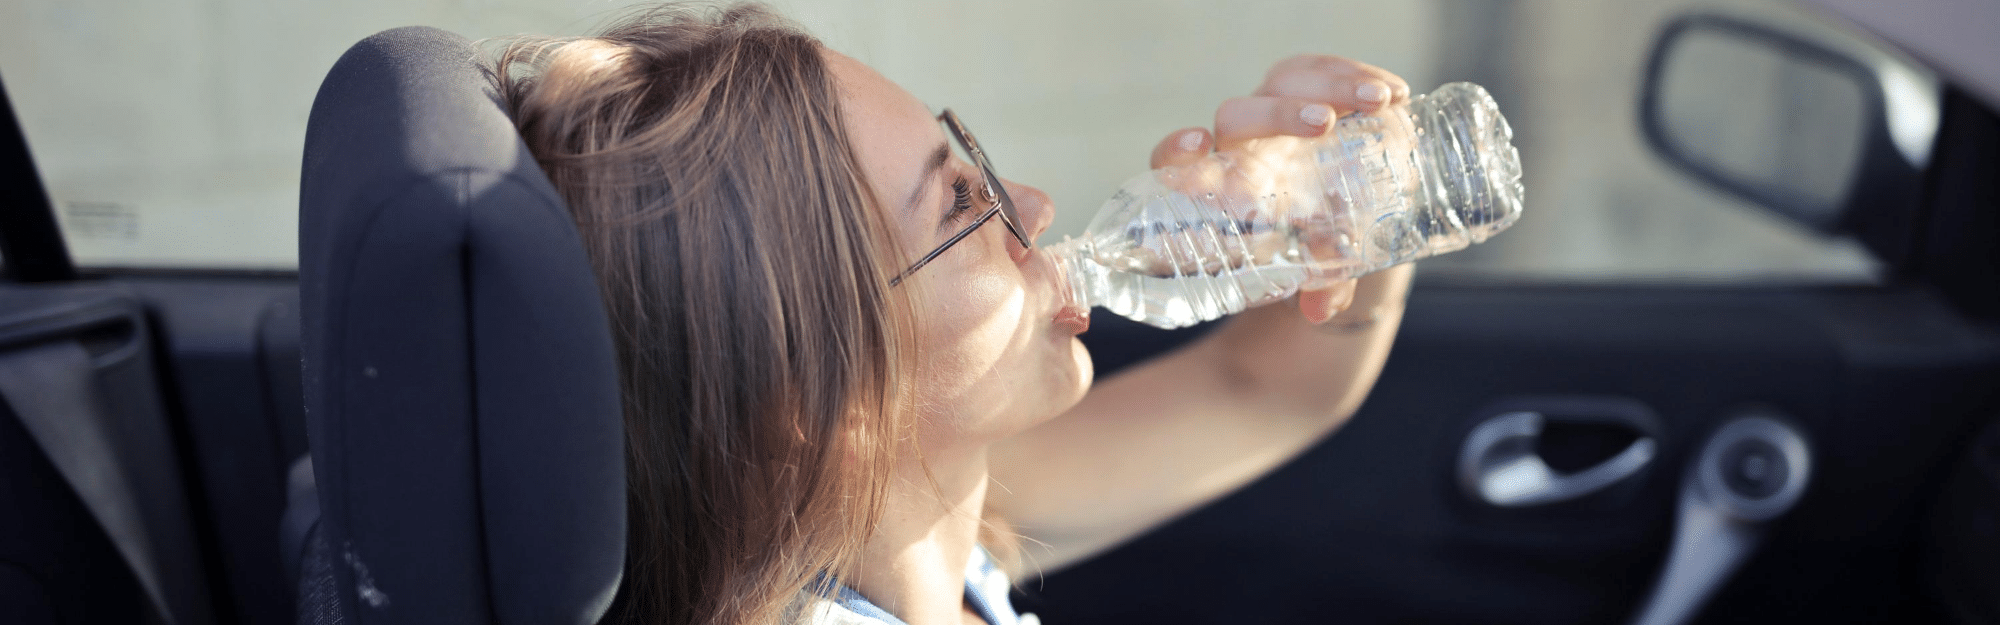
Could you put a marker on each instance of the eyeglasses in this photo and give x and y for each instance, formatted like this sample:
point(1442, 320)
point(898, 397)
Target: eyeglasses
point(991, 191)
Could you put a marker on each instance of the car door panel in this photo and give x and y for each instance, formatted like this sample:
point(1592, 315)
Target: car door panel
point(1371, 525)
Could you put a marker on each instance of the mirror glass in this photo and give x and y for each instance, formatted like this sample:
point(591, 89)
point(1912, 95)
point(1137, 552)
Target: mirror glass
point(1783, 128)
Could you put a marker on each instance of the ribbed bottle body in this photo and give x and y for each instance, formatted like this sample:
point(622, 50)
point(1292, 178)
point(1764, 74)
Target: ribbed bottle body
point(1181, 245)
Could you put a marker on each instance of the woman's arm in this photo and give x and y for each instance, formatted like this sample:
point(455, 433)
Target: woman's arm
point(1191, 426)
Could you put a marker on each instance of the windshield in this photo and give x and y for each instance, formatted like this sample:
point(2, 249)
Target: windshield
point(169, 132)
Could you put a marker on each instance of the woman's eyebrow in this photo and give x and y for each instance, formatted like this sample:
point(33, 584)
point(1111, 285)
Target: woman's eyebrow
point(931, 166)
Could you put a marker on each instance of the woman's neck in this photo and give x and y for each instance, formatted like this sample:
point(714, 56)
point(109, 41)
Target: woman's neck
point(914, 563)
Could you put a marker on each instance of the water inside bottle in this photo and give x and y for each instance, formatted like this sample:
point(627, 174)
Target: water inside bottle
point(1169, 302)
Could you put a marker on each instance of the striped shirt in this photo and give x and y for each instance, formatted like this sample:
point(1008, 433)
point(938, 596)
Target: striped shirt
point(985, 591)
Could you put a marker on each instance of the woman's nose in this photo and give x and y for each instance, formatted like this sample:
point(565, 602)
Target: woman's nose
point(1036, 212)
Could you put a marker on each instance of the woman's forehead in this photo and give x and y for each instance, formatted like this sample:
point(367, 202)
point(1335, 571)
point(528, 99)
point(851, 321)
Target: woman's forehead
point(892, 130)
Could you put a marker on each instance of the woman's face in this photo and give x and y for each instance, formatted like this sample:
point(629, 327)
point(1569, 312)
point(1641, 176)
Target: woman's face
point(997, 349)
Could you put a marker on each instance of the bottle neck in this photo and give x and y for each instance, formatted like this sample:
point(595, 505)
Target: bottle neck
point(1077, 271)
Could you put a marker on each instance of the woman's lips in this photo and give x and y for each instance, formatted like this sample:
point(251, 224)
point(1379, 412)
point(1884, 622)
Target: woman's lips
point(1073, 319)
point(1069, 317)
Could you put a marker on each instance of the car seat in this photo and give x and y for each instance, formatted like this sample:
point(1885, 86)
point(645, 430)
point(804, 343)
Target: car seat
point(460, 381)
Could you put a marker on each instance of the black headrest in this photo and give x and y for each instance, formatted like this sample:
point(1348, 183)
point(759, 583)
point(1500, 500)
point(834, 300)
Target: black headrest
point(460, 382)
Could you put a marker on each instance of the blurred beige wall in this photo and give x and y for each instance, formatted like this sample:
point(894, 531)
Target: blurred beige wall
point(169, 132)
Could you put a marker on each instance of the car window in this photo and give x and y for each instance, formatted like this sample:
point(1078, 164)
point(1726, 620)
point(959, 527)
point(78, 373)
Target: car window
point(169, 132)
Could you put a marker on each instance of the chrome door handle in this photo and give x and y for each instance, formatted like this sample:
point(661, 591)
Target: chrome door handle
point(1498, 464)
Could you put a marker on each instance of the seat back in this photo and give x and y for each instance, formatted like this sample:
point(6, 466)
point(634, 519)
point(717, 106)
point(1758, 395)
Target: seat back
point(460, 381)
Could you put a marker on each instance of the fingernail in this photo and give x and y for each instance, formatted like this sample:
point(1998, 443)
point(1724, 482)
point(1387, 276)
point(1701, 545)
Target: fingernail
point(1371, 92)
point(1315, 114)
point(1190, 141)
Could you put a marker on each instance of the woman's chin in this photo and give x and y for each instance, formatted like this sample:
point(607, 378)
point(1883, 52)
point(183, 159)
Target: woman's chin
point(1073, 375)
point(1067, 375)
point(1086, 369)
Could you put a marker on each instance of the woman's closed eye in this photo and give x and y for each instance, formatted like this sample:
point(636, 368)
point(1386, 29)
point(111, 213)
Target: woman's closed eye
point(961, 202)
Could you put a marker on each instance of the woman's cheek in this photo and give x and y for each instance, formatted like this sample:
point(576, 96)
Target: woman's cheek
point(971, 327)
point(982, 315)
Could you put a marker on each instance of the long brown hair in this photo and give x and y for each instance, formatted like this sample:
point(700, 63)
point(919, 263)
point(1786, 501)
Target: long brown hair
point(704, 155)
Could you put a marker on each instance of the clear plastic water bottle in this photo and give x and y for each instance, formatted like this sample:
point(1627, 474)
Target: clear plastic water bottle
point(1181, 245)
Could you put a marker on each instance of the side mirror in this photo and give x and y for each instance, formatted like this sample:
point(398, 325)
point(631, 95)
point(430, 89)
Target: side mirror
point(1783, 122)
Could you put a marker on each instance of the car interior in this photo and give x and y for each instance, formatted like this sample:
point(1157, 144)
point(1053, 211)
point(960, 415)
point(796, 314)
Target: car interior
point(421, 424)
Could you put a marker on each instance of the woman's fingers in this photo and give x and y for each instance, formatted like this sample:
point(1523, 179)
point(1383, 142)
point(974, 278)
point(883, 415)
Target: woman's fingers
point(1243, 119)
point(1181, 147)
point(1300, 96)
point(1322, 304)
point(1346, 84)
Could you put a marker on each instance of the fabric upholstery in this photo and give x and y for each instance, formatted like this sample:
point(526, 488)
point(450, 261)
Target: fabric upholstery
point(460, 382)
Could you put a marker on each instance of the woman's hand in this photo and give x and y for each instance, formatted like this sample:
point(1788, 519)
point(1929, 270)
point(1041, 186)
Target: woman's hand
point(1300, 96)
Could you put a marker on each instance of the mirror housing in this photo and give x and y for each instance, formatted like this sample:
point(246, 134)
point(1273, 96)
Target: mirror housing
point(1802, 130)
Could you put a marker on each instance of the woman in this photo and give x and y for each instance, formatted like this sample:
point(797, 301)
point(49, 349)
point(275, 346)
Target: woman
point(843, 364)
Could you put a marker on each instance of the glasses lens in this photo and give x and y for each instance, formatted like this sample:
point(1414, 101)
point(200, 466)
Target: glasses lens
point(972, 152)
